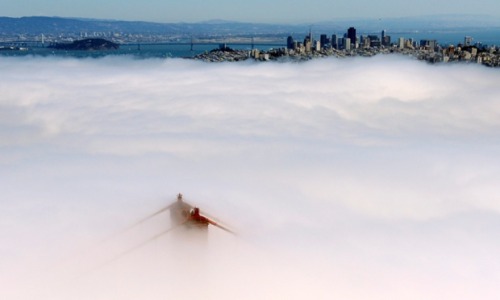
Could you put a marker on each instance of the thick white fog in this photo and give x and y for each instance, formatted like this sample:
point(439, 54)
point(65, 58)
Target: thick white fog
point(369, 178)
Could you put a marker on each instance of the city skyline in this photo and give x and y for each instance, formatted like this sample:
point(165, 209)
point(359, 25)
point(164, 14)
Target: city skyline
point(260, 11)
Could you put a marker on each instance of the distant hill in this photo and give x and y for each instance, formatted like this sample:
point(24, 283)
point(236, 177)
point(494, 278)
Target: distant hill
point(53, 25)
point(57, 25)
point(39, 25)
point(87, 45)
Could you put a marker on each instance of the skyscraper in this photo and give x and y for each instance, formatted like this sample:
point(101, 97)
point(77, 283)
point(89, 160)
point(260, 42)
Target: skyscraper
point(323, 40)
point(289, 42)
point(351, 34)
point(308, 44)
point(335, 41)
point(467, 41)
point(374, 41)
point(347, 45)
point(401, 43)
point(310, 35)
point(387, 40)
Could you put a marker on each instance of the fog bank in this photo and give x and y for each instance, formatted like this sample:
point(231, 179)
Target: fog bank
point(366, 178)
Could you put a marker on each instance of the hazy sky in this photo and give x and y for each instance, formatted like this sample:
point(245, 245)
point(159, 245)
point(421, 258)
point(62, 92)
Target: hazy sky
point(364, 178)
point(252, 11)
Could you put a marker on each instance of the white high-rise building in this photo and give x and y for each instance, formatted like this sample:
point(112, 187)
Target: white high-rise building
point(401, 43)
point(317, 46)
point(347, 42)
point(467, 41)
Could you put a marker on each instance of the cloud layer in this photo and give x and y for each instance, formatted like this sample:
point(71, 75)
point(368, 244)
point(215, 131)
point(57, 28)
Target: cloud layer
point(358, 178)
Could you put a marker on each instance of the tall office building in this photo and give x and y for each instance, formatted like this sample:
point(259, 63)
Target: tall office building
point(347, 45)
point(364, 42)
point(317, 46)
point(387, 40)
point(374, 41)
point(428, 44)
point(307, 44)
point(335, 41)
point(323, 40)
point(468, 41)
point(290, 42)
point(351, 34)
point(401, 43)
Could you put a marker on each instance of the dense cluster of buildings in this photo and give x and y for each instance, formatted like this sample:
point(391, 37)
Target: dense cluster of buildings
point(350, 44)
point(349, 41)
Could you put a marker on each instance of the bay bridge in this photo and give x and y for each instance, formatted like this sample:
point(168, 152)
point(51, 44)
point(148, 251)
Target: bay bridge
point(192, 44)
